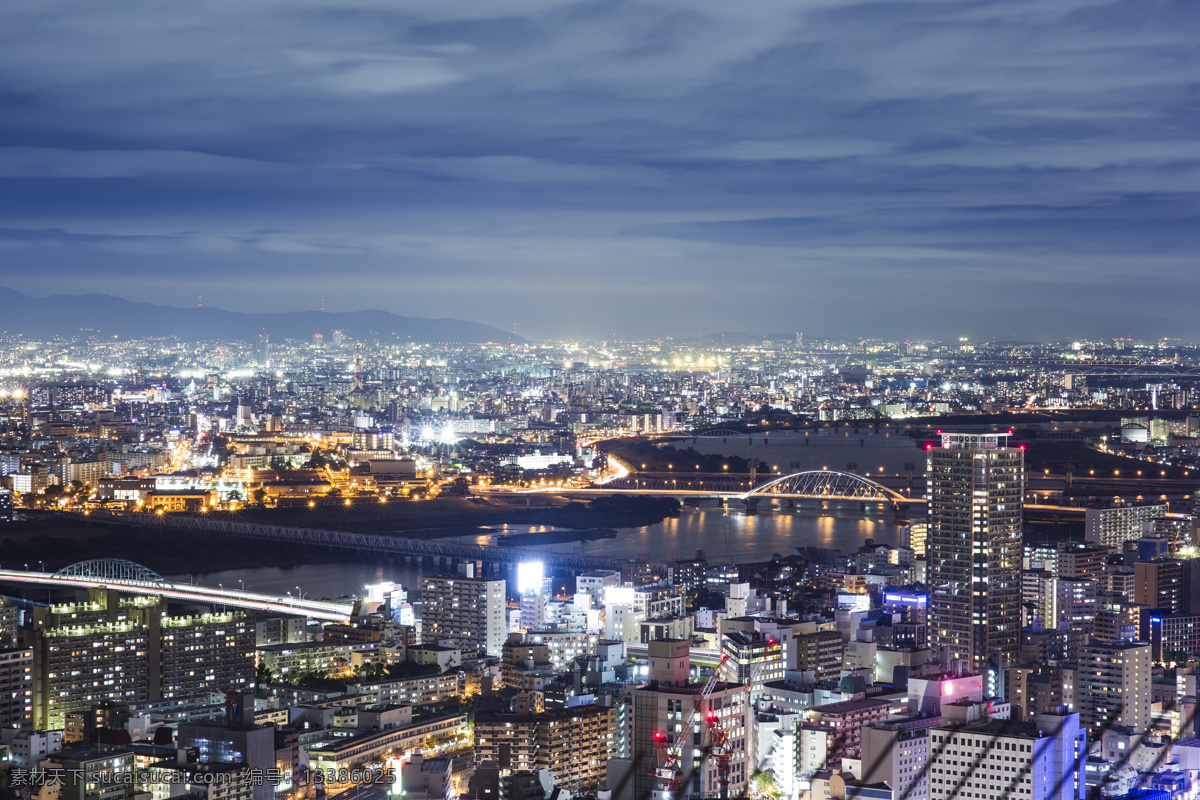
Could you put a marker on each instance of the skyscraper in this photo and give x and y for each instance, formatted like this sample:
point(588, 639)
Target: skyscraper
point(975, 490)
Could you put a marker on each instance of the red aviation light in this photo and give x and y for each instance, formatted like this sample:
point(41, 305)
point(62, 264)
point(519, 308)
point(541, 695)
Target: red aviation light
point(771, 641)
point(658, 736)
point(928, 447)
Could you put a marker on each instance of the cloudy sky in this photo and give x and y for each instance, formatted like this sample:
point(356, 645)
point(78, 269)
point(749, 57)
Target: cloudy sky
point(1021, 168)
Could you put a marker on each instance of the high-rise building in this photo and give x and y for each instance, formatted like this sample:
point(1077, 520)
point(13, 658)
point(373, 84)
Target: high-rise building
point(574, 743)
point(1042, 759)
point(821, 653)
point(16, 688)
point(897, 753)
point(1113, 685)
point(127, 650)
point(1159, 584)
point(1112, 527)
point(663, 707)
point(9, 617)
point(1084, 562)
point(464, 612)
point(975, 490)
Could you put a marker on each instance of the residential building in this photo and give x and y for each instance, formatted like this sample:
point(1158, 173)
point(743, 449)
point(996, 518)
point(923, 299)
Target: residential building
point(1113, 685)
point(574, 743)
point(975, 499)
point(663, 708)
point(464, 612)
point(16, 689)
point(1112, 527)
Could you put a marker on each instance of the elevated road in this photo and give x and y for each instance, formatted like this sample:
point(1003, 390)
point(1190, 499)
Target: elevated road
point(314, 609)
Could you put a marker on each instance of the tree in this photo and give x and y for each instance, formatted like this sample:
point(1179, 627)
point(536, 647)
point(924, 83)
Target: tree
point(263, 675)
point(765, 786)
point(259, 495)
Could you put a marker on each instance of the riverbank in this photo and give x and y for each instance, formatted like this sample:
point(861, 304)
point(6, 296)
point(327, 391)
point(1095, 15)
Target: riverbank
point(57, 541)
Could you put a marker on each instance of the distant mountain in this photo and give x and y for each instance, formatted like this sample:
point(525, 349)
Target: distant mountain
point(104, 315)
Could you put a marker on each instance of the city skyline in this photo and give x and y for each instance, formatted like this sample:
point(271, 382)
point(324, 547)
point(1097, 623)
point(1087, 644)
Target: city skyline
point(938, 168)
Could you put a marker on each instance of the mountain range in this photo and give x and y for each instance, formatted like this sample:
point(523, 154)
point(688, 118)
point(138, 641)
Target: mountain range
point(69, 316)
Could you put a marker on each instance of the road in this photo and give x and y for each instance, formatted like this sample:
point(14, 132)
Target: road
point(314, 609)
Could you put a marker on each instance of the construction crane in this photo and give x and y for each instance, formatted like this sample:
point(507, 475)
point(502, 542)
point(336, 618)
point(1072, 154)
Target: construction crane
point(667, 773)
point(718, 747)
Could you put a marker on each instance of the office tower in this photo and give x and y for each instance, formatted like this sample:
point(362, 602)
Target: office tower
point(751, 658)
point(1041, 759)
point(975, 489)
point(464, 612)
point(1113, 685)
point(16, 688)
point(127, 650)
point(1112, 527)
point(664, 706)
point(1170, 635)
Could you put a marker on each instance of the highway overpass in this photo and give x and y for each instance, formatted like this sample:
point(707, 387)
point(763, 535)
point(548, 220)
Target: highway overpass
point(132, 578)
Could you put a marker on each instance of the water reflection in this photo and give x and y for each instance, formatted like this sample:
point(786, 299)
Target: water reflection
point(724, 534)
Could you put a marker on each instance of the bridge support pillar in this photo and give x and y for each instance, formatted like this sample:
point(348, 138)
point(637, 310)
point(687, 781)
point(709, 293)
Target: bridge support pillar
point(791, 502)
point(721, 502)
point(751, 504)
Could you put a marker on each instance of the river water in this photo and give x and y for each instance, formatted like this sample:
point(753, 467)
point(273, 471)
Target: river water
point(725, 535)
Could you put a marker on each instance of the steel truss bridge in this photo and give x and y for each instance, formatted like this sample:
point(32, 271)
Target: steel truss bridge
point(131, 578)
point(375, 543)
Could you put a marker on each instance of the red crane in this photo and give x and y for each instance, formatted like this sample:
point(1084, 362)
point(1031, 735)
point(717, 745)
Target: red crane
point(667, 773)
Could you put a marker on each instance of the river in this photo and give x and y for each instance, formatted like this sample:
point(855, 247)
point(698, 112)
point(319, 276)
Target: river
point(725, 535)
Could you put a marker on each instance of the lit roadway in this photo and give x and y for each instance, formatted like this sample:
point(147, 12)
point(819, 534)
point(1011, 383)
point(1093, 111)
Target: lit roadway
point(315, 609)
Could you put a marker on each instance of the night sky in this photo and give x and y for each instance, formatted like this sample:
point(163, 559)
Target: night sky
point(1019, 169)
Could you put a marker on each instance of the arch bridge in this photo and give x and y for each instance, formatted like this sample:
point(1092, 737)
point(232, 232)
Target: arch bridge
point(116, 570)
point(827, 484)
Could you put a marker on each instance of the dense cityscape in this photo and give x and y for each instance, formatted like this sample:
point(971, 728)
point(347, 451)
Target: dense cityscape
point(575, 400)
point(944, 566)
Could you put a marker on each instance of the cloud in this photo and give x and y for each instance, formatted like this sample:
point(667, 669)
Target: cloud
point(848, 160)
point(51, 162)
point(798, 150)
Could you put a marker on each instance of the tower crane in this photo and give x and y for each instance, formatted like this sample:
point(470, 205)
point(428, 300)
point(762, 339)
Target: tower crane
point(667, 773)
